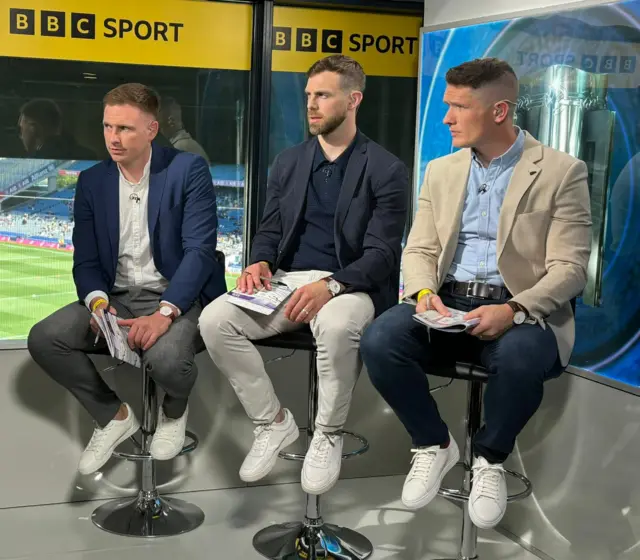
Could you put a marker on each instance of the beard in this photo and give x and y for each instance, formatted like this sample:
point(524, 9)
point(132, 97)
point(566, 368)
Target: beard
point(328, 125)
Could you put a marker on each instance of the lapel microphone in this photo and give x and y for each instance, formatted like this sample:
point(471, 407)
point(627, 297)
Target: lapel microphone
point(134, 197)
point(482, 189)
point(327, 170)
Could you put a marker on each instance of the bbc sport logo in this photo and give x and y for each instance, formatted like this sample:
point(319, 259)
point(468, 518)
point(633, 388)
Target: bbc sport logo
point(331, 41)
point(77, 25)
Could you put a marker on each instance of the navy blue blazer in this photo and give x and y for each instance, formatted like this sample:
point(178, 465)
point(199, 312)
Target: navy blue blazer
point(369, 222)
point(182, 226)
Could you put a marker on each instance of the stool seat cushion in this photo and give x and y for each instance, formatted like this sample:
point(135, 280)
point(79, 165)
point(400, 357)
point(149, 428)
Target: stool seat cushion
point(460, 370)
point(296, 340)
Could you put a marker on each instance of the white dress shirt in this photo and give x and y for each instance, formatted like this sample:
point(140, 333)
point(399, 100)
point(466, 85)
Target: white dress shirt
point(135, 261)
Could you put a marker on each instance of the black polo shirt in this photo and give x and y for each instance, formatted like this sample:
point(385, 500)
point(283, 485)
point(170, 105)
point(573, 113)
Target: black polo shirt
point(313, 247)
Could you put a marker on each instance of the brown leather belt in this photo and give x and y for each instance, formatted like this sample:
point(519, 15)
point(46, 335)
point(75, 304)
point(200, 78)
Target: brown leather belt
point(476, 290)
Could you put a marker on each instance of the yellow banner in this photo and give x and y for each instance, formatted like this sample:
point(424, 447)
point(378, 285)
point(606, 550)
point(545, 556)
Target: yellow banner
point(194, 34)
point(385, 45)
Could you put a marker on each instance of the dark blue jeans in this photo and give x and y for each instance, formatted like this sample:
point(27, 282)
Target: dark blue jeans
point(398, 352)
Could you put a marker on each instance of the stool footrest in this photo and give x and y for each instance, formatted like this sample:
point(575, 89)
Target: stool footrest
point(463, 496)
point(297, 540)
point(140, 456)
point(364, 447)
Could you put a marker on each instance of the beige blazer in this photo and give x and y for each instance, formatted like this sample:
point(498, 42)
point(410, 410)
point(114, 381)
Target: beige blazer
point(544, 233)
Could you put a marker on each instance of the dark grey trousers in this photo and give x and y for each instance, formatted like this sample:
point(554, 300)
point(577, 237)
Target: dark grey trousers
point(61, 343)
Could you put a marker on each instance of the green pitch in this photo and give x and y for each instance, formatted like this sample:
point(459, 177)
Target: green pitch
point(34, 283)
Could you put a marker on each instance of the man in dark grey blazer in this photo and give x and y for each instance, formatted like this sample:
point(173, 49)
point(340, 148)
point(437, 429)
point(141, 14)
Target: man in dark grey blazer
point(332, 228)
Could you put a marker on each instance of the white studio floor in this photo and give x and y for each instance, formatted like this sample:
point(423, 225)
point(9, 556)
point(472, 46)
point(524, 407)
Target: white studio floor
point(371, 506)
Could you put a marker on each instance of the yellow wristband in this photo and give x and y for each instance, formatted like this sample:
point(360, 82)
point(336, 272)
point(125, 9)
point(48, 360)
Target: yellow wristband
point(98, 302)
point(423, 293)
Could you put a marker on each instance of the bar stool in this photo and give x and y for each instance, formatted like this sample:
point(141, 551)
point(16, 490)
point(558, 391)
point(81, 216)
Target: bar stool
point(148, 514)
point(311, 538)
point(476, 376)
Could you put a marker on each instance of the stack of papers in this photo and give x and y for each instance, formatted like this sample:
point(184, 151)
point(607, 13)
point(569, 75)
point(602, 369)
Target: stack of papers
point(455, 323)
point(262, 301)
point(116, 337)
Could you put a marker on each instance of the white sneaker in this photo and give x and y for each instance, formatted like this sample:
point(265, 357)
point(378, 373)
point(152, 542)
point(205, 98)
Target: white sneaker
point(104, 441)
point(429, 466)
point(321, 467)
point(488, 498)
point(269, 440)
point(168, 438)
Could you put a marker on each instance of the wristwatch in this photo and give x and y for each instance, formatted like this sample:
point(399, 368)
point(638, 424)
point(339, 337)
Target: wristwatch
point(520, 314)
point(334, 287)
point(166, 311)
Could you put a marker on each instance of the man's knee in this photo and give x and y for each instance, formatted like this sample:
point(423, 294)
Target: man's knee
point(373, 344)
point(525, 359)
point(216, 319)
point(379, 337)
point(332, 330)
point(42, 338)
point(172, 368)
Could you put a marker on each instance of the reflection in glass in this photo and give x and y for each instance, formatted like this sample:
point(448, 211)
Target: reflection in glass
point(50, 131)
point(566, 108)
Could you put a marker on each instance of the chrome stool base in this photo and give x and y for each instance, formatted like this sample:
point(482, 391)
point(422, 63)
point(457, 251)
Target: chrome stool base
point(312, 538)
point(307, 541)
point(148, 516)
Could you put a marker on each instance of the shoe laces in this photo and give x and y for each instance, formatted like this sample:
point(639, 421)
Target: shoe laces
point(169, 428)
point(320, 449)
point(422, 461)
point(487, 479)
point(97, 439)
point(261, 434)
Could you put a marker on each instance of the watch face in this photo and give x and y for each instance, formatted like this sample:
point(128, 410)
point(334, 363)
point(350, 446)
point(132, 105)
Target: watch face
point(519, 317)
point(334, 287)
point(165, 311)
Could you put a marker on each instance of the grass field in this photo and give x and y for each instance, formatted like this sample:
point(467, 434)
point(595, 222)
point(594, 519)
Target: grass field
point(34, 283)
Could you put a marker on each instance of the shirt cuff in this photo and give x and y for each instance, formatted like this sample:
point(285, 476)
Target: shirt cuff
point(93, 295)
point(178, 312)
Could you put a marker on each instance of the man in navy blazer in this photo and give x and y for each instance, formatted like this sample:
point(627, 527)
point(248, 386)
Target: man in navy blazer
point(332, 230)
point(145, 231)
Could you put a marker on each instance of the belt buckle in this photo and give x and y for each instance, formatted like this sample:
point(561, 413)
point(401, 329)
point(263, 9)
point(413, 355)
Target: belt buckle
point(473, 293)
point(470, 286)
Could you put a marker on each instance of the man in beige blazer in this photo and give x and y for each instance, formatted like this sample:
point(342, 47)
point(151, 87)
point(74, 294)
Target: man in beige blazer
point(502, 232)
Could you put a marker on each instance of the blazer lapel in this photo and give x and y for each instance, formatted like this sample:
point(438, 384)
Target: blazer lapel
point(524, 174)
point(351, 180)
point(112, 210)
point(451, 196)
point(157, 182)
point(301, 178)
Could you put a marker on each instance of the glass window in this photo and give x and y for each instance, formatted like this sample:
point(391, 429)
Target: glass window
point(386, 46)
point(50, 130)
point(579, 93)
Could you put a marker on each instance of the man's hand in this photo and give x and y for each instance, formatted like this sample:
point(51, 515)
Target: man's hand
point(432, 301)
point(305, 302)
point(494, 320)
point(145, 331)
point(98, 311)
point(251, 278)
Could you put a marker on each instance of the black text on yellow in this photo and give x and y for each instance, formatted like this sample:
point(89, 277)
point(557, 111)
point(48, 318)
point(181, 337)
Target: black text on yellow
point(331, 41)
point(49, 23)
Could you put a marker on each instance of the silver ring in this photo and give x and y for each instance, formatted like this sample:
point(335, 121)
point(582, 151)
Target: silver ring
point(305, 312)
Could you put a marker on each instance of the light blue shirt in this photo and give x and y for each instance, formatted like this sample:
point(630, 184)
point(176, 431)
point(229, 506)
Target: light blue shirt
point(476, 257)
